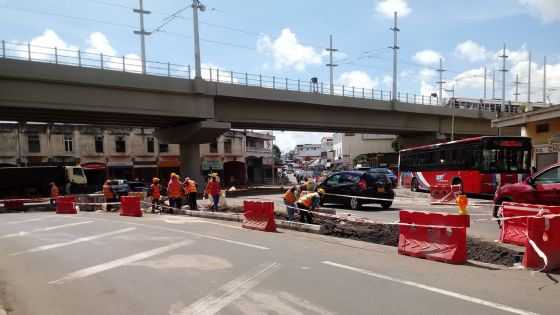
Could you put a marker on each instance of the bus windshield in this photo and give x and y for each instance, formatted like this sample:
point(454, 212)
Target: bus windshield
point(506, 160)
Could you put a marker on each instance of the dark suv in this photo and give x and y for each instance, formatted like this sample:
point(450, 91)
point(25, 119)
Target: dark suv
point(344, 187)
point(540, 188)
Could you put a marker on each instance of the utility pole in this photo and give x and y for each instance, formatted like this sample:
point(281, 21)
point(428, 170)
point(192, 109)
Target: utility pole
point(516, 86)
point(544, 84)
point(196, 5)
point(529, 85)
point(331, 65)
point(395, 48)
point(484, 83)
point(493, 84)
point(142, 32)
point(503, 56)
point(440, 82)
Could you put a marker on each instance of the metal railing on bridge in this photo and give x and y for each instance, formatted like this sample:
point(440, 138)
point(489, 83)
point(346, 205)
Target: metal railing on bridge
point(92, 59)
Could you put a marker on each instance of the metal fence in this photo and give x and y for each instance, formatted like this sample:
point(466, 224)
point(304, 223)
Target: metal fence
point(90, 59)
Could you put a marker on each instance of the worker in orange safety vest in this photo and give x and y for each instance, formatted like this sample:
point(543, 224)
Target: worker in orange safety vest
point(54, 194)
point(290, 198)
point(191, 186)
point(308, 203)
point(213, 189)
point(156, 194)
point(175, 192)
point(109, 194)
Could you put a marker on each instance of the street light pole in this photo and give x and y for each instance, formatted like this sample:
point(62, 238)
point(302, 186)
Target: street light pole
point(196, 6)
point(452, 90)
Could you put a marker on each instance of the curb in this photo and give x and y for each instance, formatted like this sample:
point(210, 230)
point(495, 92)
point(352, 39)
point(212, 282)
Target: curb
point(407, 192)
point(238, 217)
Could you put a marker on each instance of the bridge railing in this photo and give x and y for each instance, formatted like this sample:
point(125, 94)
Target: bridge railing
point(131, 63)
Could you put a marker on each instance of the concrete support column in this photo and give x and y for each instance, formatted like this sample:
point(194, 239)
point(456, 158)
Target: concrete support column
point(190, 163)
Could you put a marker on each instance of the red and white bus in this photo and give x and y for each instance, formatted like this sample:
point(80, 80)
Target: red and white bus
point(480, 165)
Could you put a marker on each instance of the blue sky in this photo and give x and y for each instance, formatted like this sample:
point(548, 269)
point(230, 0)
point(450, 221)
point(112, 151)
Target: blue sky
point(288, 38)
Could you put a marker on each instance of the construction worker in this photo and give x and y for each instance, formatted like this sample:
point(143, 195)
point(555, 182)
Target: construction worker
point(308, 203)
point(307, 183)
point(174, 192)
point(213, 189)
point(54, 194)
point(192, 188)
point(156, 194)
point(109, 194)
point(290, 198)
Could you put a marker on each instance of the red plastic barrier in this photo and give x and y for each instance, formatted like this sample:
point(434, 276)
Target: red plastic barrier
point(13, 204)
point(447, 243)
point(545, 234)
point(259, 215)
point(514, 230)
point(130, 206)
point(66, 205)
point(444, 194)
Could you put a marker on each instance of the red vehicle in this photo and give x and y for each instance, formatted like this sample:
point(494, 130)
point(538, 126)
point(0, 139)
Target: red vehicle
point(479, 165)
point(541, 188)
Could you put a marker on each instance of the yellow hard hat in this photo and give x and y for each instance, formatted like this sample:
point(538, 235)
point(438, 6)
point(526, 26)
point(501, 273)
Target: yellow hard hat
point(173, 175)
point(155, 179)
point(321, 191)
point(214, 174)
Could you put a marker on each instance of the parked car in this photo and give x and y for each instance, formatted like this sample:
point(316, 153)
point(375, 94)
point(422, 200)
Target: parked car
point(389, 173)
point(140, 187)
point(120, 186)
point(540, 188)
point(358, 184)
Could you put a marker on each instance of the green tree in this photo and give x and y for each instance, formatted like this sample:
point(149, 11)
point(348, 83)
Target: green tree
point(360, 159)
point(396, 145)
point(277, 154)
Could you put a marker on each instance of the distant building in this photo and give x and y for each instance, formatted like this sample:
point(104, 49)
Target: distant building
point(132, 153)
point(307, 152)
point(347, 146)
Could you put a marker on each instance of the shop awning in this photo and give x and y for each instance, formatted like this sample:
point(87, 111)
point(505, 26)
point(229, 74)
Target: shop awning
point(93, 166)
point(169, 161)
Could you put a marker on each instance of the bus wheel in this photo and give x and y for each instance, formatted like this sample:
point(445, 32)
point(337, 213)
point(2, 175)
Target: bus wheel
point(414, 185)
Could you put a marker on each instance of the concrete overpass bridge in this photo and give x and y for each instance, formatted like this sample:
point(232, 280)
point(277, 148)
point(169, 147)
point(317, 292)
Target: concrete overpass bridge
point(194, 111)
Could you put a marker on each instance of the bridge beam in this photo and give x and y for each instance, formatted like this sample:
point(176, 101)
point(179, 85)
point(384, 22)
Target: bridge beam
point(189, 137)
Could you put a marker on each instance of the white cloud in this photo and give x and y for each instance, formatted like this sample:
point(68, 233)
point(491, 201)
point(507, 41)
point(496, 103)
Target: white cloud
point(287, 52)
point(358, 79)
point(42, 47)
point(473, 78)
point(426, 73)
point(427, 89)
point(406, 73)
point(547, 10)
point(427, 57)
point(387, 8)
point(387, 80)
point(216, 73)
point(99, 44)
point(471, 51)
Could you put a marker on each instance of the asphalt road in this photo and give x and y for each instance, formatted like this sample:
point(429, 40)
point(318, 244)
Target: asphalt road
point(102, 263)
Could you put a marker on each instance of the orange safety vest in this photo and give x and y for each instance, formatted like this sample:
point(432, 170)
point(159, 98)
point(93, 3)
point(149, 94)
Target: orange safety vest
point(107, 192)
point(54, 192)
point(307, 200)
point(191, 186)
point(291, 197)
point(156, 191)
point(174, 189)
point(213, 187)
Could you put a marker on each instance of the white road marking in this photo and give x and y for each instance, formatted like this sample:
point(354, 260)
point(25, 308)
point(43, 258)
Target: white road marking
point(215, 302)
point(22, 233)
point(79, 240)
point(178, 231)
point(194, 220)
point(435, 290)
point(22, 221)
point(118, 262)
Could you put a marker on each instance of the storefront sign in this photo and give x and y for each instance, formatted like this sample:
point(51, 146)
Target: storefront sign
point(546, 149)
point(214, 165)
point(120, 164)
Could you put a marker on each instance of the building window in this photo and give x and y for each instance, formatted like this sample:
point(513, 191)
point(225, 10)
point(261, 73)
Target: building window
point(68, 143)
point(99, 144)
point(227, 146)
point(163, 147)
point(120, 145)
point(33, 143)
point(214, 147)
point(542, 128)
point(151, 144)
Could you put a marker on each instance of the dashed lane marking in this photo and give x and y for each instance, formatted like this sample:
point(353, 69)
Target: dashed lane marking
point(22, 233)
point(76, 241)
point(118, 262)
point(434, 289)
